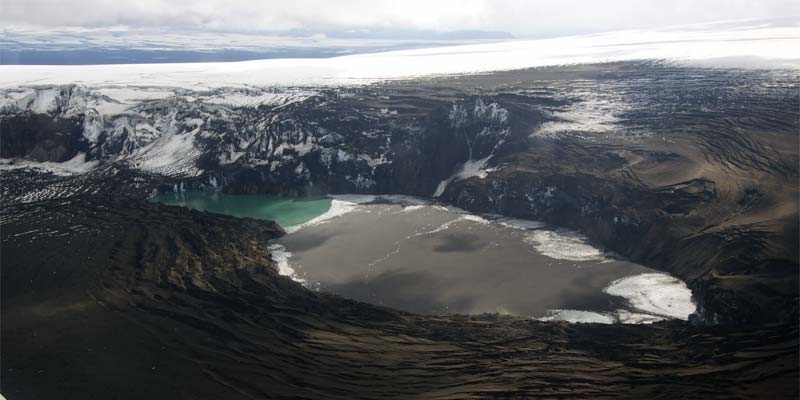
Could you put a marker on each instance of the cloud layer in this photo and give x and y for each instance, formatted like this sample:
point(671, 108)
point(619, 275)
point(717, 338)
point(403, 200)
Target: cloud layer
point(521, 18)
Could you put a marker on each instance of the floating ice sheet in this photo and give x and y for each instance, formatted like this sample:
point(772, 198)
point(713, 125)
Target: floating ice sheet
point(564, 244)
point(655, 294)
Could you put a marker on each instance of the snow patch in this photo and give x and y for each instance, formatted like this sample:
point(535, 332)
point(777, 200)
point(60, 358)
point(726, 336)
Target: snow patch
point(74, 166)
point(593, 114)
point(467, 170)
point(171, 154)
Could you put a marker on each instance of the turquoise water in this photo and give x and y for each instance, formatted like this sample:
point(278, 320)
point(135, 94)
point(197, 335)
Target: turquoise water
point(285, 211)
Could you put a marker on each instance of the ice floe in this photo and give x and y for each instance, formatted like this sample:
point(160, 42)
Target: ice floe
point(652, 297)
point(576, 316)
point(564, 244)
point(655, 294)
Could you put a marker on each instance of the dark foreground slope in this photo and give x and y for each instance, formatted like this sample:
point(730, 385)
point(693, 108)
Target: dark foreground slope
point(108, 297)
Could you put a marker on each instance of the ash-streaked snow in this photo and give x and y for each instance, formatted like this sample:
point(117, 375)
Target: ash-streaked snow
point(75, 165)
point(467, 170)
point(172, 154)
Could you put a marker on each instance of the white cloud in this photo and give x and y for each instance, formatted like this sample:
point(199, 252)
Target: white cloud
point(522, 18)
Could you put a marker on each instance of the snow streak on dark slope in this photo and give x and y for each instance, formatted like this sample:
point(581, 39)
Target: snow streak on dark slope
point(344, 139)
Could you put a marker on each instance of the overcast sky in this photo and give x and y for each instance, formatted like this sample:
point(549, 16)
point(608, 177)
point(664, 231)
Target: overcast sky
point(521, 18)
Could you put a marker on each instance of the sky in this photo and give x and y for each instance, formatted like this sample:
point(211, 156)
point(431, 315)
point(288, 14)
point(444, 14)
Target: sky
point(523, 19)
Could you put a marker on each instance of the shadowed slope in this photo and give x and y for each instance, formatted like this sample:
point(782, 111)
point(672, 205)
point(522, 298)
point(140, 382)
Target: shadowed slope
point(123, 298)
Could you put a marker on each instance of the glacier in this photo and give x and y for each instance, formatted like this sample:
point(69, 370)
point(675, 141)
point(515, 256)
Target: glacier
point(746, 44)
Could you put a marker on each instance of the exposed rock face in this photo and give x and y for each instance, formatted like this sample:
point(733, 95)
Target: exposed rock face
point(41, 138)
point(692, 171)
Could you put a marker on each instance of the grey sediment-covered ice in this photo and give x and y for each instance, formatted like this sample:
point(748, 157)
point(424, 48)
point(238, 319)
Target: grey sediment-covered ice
point(653, 297)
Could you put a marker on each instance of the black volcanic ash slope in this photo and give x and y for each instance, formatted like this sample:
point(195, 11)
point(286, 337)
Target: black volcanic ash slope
point(695, 172)
point(109, 297)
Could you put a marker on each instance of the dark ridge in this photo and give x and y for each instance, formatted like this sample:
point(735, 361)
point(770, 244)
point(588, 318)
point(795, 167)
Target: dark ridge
point(108, 297)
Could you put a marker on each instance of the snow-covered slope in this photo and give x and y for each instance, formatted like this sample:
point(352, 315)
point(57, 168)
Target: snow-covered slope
point(744, 44)
point(159, 130)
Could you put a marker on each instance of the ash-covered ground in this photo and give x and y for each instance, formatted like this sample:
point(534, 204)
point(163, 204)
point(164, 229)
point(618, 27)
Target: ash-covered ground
point(691, 171)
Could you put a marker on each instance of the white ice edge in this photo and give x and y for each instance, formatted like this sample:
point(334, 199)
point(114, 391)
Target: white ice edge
point(563, 244)
point(519, 223)
point(340, 205)
point(281, 256)
point(742, 46)
point(578, 316)
point(653, 296)
point(343, 204)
